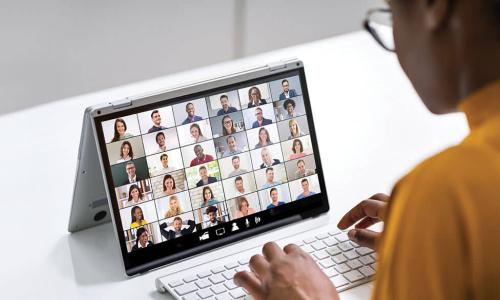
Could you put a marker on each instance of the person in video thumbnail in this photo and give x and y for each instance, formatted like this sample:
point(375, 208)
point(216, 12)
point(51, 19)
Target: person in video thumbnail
point(244, 208)
point(174, 207)
point(260, 120)
point(191, 117)
point(126, 152)
point(135, 195)
point(201, 157)
point(270, 178)
point(141, 240)
point(295, 131)
point(211, 212)
point(196, 133)
point(205, 179)
point(289, 106)
point(267, 159)
point(156, 118)
point(164, 164)
point(287, 92)
point(178, 231)
point(228, 126)
point(131, 173)
point(273, 193)
point(169, 187)
point(301, 170)
point(305, 189)
point(255, 98)
point(226, 106)
point(137, 217)
point(264, 139)
point(161, 140)
point(120, 131)
point(232, 147)
point(238, 184)
point(236, 167)
point(208, 197)
point(298, 149)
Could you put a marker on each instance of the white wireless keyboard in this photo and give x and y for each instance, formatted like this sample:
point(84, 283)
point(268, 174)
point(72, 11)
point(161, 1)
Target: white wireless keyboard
point(344, 262)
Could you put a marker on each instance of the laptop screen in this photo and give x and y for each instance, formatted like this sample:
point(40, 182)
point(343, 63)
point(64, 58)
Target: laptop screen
point(186, 172)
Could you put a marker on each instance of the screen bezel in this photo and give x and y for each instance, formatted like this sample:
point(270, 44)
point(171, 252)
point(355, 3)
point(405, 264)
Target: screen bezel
point(186, 246)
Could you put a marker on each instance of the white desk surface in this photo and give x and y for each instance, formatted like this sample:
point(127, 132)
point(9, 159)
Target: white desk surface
point(371, 128)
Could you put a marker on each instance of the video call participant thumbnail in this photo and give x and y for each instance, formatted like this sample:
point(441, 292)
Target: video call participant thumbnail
point(120, 129)
point(201, 157)
point(226, 106)
point(213, 220)
point(131, 171)
point(142, 239)
point(137, 217)
point(169, 187)
point(174, 207)
point(208, 197)
point(260, 120)
point(205, 179)
point(126, 152)
point(275, 202)
point(295, 131)
point(177, 231)
point(305, 190)
point(156, 119)
point(255, 97)
point(135, 195)
point(270, 178)
point(236, 167)
point(196, 133)
point(191, 117)
point(287, 92)
point(264, 138)
point(289, 106)
point(267, 159)
point(302, 171)
point(232, 147)
point(243, 207)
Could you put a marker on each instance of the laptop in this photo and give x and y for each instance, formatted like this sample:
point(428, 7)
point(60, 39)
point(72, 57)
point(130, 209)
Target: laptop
point(208, 166)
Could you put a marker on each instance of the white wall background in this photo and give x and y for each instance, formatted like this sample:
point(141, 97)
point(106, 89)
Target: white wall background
point(55, 49)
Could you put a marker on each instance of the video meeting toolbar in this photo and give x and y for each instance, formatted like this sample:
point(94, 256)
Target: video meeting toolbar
point(183, 168)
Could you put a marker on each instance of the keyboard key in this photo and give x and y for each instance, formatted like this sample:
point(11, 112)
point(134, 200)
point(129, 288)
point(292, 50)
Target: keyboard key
point(203, 294)
point(307, 248)
point(204, 274)
point(217, 278)
point(364, 250)
point(322, 236)
point(318, 245)
point(192, 296)
point(244, 261)
point(228, 274)
point(218, 269)
point(334, 250)
point(374, 266)
point(339, 281)
point(354, 244)
point(330, 241)
point(334, 232)
point(190, 279)
point(345, 246)
point(217, 289)
point(342, 268)
point(310, 240)
point(366, 260)
point(374, 255)
point(237, 293)
point(203, 283)
point(224, 296)
point(354, 275)
point(321, 254)
point(243, 268)
point(232, 265)
point(367, 271)
point(185, 289)
point(354, 264)
point(342, 237)
point(175, 283)
point(326, 263)
point(230, 285)
point(330, 272)
point(340, 258)
point(351, 254)
point(299, 243)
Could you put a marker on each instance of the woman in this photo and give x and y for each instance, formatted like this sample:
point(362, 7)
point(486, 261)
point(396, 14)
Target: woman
point(135, 195)
point(294, 127)
point(169, 187)
point(120, 131)
point(254, 97)
point(137, 217)
point(126, 152)
point(264, 139)
point(227, 126)
point(196, 133)
point(298, 149)
point(244, 208)
point(208, 197)
point(174, 207)
point(141, 240)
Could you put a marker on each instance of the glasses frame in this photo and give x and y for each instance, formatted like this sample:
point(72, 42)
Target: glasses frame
point(373, 32)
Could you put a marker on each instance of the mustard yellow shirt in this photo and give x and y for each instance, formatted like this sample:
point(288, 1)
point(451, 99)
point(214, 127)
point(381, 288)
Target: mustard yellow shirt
point(442, 234)
point(135, 224)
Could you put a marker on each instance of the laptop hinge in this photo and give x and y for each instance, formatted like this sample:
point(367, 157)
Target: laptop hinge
point(277, 66)
point(121, 103)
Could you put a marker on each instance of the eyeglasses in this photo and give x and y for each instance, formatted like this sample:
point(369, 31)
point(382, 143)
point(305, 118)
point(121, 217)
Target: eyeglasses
point(378, 23)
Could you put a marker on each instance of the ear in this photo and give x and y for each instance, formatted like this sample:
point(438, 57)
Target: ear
point(437, 13)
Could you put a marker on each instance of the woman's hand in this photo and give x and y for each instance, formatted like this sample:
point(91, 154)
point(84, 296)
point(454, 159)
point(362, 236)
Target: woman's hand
point(365, 214)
